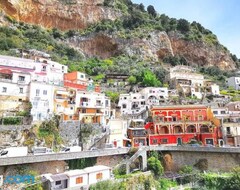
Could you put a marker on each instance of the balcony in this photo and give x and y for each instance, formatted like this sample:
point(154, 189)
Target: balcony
point(21, 82)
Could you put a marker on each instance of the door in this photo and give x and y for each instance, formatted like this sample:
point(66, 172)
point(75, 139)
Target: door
point(179, 141)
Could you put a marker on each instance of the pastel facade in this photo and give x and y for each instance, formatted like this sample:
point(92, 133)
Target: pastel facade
point(25, 80)
point(14, 91)
point(93, 107)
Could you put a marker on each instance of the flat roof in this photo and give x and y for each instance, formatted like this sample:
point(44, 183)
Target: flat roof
point(96, 168)
point(74, 172)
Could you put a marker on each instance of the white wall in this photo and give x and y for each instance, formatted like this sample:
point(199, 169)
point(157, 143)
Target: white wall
point(106, 174)
point(42, 102)
point(72, 181)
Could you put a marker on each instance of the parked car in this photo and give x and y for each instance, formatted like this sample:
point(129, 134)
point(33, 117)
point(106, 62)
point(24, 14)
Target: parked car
point(14, 152)
point(72, 149)
point(94, 148)
point(42, 150)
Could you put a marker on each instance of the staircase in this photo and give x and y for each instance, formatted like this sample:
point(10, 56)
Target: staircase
point(142, 151)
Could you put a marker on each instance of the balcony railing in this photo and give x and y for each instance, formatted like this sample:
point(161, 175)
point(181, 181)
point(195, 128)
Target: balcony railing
point(180, 122)
point(5, 80)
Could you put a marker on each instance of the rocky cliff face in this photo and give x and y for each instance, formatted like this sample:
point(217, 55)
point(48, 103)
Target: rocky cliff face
point(62, 14)
point(153, 48)
point(201, 54)
point(103, 45)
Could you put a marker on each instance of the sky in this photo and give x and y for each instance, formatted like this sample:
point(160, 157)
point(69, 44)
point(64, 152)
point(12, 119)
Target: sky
point(222, 17)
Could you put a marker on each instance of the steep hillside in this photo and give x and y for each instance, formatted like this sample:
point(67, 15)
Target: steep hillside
point(111, 28)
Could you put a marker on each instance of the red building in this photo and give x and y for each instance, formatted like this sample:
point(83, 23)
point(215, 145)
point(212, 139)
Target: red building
point(180, 124)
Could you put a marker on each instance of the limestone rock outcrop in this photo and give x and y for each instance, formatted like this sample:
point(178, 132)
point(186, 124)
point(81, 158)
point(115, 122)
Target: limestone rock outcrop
point(62, 14)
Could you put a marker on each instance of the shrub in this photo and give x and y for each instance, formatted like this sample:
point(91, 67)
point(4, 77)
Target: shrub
point(155, 166)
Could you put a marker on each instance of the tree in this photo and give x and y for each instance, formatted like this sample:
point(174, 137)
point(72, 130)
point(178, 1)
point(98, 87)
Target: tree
point(151, 10)
point(150, 79)
point(233, 182)
point(141, 7)
point(132, 80)
point(155, 165)
point(183, 25)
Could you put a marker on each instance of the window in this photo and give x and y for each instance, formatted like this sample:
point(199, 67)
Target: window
point(228, 131)
point(124, 106)
point(21, 78)
point(21, 90)
point(71, 108)
point(79, 180)
point(164, 141)
point(4, 89)
point(37, 92)
point(99, 176)
point(223, 112)
point(44, 68)
point(84, 111)
point(215, 112)
point(58, 183)
point(44, 92)
point(155, 141)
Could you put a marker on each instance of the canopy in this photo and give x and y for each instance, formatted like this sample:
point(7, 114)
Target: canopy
point(6, 71)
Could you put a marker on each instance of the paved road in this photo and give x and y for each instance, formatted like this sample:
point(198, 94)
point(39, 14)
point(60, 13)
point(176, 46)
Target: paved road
point(108, 152)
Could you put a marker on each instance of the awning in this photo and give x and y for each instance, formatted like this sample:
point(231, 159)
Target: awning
point(6, 71)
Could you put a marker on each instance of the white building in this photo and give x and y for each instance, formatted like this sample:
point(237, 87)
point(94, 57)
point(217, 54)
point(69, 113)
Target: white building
point(118, 132)
point(41, 96)
point(138, 103)
point(41, 69)
point(23, 80)
point(234, 82)
point(77, 179)
point(190, 82)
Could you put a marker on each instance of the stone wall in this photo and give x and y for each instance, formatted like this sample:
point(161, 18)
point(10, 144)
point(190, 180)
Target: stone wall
point(14, 127)
point(69, 131)
point(212, 161)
